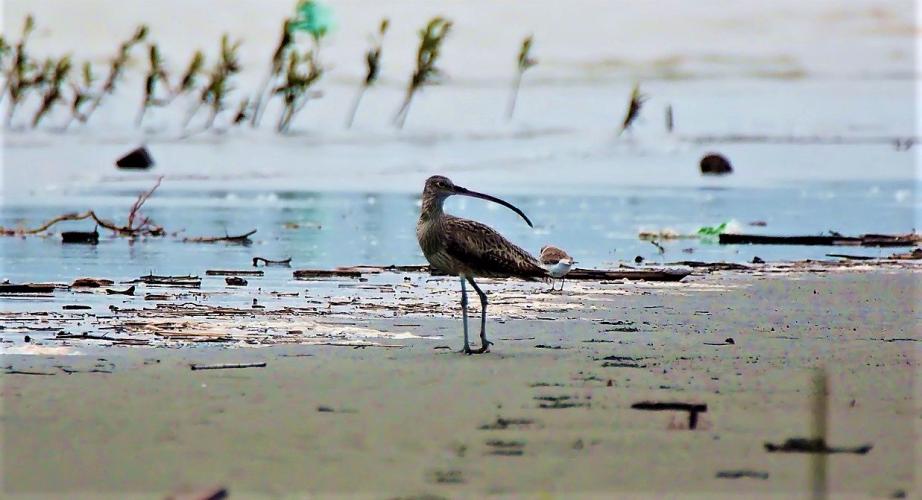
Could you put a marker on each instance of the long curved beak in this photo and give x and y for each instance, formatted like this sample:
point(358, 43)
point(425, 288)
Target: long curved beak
point(474, 194)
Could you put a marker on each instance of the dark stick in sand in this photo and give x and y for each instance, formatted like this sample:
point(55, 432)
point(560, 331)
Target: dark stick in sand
point(228, 366)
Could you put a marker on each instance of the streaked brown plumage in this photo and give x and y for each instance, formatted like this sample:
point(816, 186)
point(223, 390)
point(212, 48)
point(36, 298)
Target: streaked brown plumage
point(557, 262)
point(469, 249)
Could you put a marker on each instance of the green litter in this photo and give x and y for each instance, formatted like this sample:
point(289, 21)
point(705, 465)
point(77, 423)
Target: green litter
point(312, 17)
point(710, 231)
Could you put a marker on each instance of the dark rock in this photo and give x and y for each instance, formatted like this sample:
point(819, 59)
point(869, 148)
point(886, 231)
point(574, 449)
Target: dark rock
point(715, 164)
point(235, 281)
point(139, 159)
point(757, 260)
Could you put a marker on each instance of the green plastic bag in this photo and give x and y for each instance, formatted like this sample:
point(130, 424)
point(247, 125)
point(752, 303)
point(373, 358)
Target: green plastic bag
point(712, 231)
point(312, 17)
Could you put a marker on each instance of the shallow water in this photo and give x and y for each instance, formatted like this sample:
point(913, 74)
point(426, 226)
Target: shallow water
point(329, 229)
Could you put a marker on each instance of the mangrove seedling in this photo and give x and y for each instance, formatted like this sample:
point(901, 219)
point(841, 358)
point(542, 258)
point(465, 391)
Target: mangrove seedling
point(190, 76)
point(670, 121)
point(81, 94)
point(156, 73)
point(17, 76)
point(310, 17)
point(303, 71)
point(275, 71)
point(4, 52)
point(116, 68)
point(373, 68)
point(53, 83)
point(633, 108)
point(524, 63)
point(243, 111)
point(431, 38)
point(215, 92)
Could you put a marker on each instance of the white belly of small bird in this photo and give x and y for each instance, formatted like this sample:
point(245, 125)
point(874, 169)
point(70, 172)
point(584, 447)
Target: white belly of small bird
point(560, 269)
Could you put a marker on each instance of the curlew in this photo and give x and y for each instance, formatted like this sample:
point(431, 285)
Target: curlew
point(557, 262)
point(469, 249)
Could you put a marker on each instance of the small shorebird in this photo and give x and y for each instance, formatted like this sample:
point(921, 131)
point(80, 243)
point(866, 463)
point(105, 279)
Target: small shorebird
point(468, 249)
point(557, 262)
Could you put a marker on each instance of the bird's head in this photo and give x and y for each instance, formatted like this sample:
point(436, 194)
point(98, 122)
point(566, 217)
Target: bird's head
point(439, 187)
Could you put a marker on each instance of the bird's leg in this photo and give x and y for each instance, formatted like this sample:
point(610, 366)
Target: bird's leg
point(561, 283)
point(467, 346)
point(553, 286)
point(484, 343)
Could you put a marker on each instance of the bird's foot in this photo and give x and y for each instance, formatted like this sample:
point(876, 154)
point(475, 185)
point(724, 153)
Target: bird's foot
point(467, 350)
point(484, 346)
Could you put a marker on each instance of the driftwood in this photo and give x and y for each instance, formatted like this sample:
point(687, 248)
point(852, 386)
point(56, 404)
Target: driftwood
point(227, 366)
point(635, 274)
point(26, 372)
point(711, 266)
point(815, 445)
point(324, 273)
point(407, 269)
point(91, 283)
point(240, 239)
point(211, 493)
point(26, 288)
point(82, 336)
point(866, 240)
point(144, 226)
point(741, 473)
point(850, 257)
point(268, 262)
point(223, 272)
point(916, 254)
point(187, 281)
point(692, 409)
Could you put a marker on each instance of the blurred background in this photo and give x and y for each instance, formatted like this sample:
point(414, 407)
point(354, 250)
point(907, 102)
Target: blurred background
point(813, 104)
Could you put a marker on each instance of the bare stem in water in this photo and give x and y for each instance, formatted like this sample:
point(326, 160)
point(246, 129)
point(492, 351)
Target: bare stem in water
point(53, 89)
point(275, 71)
point(633, 109)
point(156, 73)
point(431, 38)
point(303, 71)
point(373, 63)
point(17, 76)
point(215, 92)
point(116, 68)
point(525, 62)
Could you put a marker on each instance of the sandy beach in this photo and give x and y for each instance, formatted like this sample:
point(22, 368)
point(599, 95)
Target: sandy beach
point(546, 414)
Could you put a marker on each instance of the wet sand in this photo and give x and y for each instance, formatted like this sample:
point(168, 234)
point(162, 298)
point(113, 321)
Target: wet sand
point(544, 414)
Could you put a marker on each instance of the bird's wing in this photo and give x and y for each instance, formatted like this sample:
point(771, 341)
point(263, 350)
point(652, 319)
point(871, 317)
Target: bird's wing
point(553, 255)
point(487, 253)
